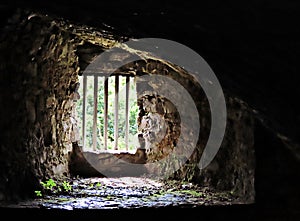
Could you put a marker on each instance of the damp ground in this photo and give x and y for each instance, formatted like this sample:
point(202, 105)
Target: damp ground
point(128, 192)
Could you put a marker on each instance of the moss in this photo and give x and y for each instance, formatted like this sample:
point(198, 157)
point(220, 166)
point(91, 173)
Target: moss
point(192, 192)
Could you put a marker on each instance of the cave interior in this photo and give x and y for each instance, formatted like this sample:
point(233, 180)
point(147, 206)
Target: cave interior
point(252, 48)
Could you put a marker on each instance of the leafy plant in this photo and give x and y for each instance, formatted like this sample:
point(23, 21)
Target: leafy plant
point(49, 184)
point(53, 187)
point(66, 185)
point(38, 193)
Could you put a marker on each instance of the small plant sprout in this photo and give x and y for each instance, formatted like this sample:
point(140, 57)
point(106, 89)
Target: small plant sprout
point(66, 185)
point(49, 184)
point(38, 193)
point(52, 187)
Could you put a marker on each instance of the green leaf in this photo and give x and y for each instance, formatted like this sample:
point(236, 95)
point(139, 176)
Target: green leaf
point(38, 193)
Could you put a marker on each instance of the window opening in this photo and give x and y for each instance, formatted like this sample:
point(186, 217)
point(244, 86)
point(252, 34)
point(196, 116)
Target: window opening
point(107, 113)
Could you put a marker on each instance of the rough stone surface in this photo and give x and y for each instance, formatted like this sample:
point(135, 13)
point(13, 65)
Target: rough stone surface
point(39, 76)
point(128, 193)
point(50, 54)
point(160, 126)
point(252, 46)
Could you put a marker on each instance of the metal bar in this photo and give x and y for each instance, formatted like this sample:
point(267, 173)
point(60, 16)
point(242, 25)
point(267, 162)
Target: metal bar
point(84, 111)
point(95, 113)
point(105, 111)
point(116, 127)
point(95, 73)
point(127, 112)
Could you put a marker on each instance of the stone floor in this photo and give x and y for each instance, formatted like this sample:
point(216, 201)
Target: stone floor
point(128, 192)
point(140, 198)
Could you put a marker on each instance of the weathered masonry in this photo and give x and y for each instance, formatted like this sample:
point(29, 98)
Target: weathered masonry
point(40, 80)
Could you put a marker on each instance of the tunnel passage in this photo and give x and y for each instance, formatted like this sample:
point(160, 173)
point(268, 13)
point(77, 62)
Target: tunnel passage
point(42, 96)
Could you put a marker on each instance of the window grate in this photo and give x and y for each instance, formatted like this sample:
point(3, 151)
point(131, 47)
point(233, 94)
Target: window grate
point(108, 112)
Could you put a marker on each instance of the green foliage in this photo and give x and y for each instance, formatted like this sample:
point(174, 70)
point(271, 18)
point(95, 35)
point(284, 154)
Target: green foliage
point(38, 193)
point(49, 184)
point(66, 186)
point(192, 192)
point(53, 187)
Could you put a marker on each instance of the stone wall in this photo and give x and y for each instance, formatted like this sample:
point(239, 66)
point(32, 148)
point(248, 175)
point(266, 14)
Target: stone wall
point(161, 126)
point(41, 58)
point(39, 77)
point(233, 167)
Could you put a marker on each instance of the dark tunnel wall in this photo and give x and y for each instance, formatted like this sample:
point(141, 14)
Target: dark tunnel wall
point(253, 47)
point(42, 75)
point(38, 78)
